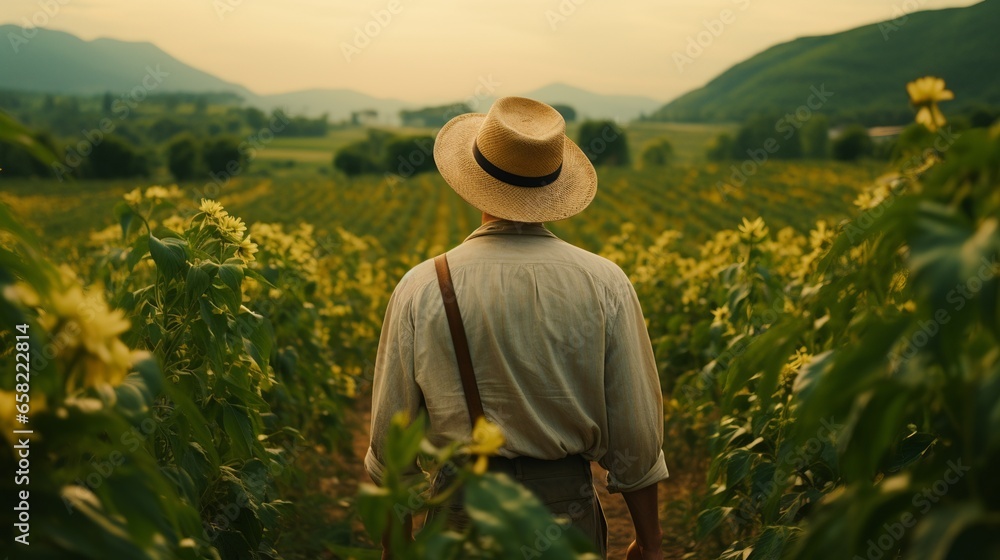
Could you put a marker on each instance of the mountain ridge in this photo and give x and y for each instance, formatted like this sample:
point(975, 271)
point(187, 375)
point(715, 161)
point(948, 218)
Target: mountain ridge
point(82, 67)
point(867, 68)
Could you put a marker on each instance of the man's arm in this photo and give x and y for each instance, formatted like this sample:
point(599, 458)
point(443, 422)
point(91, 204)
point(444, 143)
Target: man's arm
point(643, 506)
point(394, 389)
point(634, 403)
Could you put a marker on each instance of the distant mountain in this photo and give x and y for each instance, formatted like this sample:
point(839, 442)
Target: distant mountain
point(59, 62)
point(866, 69)
point(595, 105)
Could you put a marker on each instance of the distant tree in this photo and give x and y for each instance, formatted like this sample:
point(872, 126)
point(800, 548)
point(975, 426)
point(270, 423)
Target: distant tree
point(433, 116)
point(568, 113)
point(816, 137)
point(254, 117)
point(107, 102)
point(356, 159)
point(364, 117)
point(759, 138)
point(658, 154)
point(853, 144)
point(164, 128)
point(222, 154)
point(183, 157)
point(114, 158)
point(409, 156)
point(604, 143)
point(301, 126)
point(720, 148)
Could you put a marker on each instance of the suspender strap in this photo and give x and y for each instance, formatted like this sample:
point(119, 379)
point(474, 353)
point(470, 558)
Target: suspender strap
point(461, 343)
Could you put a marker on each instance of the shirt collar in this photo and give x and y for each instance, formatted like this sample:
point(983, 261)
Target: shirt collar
point(507, 227)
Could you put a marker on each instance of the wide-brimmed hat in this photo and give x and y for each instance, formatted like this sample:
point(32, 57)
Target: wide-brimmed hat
point(516, 162)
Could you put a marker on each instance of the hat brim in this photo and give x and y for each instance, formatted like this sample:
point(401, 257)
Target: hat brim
point(568, 195)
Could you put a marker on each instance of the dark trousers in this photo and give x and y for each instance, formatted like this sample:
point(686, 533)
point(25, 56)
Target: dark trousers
point(565, 486)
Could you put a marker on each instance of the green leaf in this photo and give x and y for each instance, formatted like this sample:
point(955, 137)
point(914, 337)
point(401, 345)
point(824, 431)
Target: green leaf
point(257, 330)
point(911, 449)
point(503, 510)
point(138, 250)
point(772, 542)
point(197, 282)
point(710, 519)
point(935, 536)
point(124, 214)
point(231, 276)
point(403, 442)
point(239, 430)
point(169, 254)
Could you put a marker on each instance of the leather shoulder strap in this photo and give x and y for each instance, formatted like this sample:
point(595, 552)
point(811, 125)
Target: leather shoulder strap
point(472, 400)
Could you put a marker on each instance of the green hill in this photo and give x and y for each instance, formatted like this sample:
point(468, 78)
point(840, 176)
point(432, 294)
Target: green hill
point(865, 68)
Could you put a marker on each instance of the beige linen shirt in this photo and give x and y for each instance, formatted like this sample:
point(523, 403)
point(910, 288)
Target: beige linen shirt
point(559, 346)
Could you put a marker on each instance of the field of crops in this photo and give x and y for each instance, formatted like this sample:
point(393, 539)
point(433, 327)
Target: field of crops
point(413, 216)
point(826, 341)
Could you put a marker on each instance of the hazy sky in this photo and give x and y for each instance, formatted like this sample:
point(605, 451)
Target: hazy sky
point(440, 50)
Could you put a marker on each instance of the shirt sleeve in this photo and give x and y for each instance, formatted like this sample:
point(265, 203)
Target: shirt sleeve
point(394, 387)
point(634, 402)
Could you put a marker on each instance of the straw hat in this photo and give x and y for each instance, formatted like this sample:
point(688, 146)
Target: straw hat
point(516, 162)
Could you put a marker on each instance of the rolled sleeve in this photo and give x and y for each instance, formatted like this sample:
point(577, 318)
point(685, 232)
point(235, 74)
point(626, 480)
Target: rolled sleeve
point(634, 403)
point(394, 387)
point(375, 468)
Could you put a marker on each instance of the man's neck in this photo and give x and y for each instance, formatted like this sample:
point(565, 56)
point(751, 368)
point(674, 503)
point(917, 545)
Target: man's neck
point(487, 218)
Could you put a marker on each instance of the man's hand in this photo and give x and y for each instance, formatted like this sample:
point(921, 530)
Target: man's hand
point(636, 552)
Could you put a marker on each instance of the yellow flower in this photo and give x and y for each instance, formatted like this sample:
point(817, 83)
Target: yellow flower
point(232, 226)
point(212, 209)
point(925, 94)
point(21, 294)
point(85, 333)
point(928, 89)
point(487, 438)
point(134, 197)
point(753, 231)
point(157, 192)
point(174, 223)
point(246, 250)
point(720, 314)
